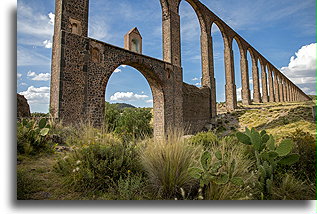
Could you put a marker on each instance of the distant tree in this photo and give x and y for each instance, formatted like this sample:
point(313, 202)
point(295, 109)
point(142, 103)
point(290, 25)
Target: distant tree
point(112, 114)
point(134, 123)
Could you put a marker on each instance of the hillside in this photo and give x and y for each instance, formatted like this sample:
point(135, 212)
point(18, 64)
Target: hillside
point(278, 119)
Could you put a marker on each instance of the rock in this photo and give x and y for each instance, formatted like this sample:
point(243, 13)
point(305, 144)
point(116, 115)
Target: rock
point(209, 126)
point(23, 108)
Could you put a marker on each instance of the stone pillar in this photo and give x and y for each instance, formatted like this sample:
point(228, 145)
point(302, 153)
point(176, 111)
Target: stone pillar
point(71, 16)
point(256, 84)
point(292, 93)
point(271, 86)
point(287, 90)
point(231, 102)
point(276, 87)
point(284, 90)
point(265, 98)
point(171, 37)
point(207, 62)
point(280, 85)
point(245, 92)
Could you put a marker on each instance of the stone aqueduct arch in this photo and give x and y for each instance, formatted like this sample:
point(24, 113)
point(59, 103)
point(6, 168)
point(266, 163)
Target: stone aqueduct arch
point(81, 67)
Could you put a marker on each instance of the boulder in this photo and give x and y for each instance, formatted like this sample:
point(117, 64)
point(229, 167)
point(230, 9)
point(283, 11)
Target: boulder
point(23, 108)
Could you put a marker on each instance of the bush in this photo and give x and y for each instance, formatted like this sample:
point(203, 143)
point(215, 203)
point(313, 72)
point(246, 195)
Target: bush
point(32, 137)
point(99, 165)
point(205, 139)
point(112, 115)
point(305, 146)
point(134, 123)
point(128, 123)
point(269, 156)
point(291, 188)
point(224, 171)
point(166, 163)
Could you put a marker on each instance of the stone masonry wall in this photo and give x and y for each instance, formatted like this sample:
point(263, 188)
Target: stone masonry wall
point(196, 108)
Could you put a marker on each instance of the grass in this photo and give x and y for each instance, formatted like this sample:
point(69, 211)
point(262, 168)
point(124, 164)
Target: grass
point(163, 170)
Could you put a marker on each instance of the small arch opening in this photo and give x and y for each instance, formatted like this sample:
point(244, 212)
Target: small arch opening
point(95, 55)
point(135, 45)
point(75, 28)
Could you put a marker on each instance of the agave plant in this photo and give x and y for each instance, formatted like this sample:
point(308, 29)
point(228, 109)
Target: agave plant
point(268, 156)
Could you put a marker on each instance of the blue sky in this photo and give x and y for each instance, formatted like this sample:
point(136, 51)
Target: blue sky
point(282, 30)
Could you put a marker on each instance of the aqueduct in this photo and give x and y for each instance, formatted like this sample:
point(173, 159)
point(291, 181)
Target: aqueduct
point(81, 67)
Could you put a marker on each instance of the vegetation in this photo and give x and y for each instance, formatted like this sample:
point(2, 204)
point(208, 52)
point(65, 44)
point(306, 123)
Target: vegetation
point(129, 123)
point(122, 161)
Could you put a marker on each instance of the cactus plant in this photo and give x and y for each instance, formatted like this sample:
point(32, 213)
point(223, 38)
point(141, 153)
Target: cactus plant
point(211, 173)
point(32, 136)
point(268, 155)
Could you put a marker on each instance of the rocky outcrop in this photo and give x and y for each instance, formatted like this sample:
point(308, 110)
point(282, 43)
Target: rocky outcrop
point(23, 108)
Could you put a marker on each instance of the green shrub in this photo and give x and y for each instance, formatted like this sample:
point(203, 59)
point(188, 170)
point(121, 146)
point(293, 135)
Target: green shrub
point(32, 137)
point(112, 115)
point(205, 139)
point(291, 188)
point(167, 163)
point(131, 188)
point(129, 123)
point(268, 156)
point(224, 171)
point(99, 165)
point(305, 146)
point(134, 123)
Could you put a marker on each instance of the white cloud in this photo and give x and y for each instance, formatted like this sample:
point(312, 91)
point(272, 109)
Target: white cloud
point(39, 77)
point(31, 74)
point(42, 77)
point(198, 84)
point(52, 18)
point(239, 96)
point(19, 75)
point(26, 57)
point(302, 68)
point(32, 23)
point(47, 44)
point(195, 79)
point(123, 66)
point(38, 98)
point(117, 70)
point(99, 29)
point(149, 101)
point(127, 96)
point(39, 95)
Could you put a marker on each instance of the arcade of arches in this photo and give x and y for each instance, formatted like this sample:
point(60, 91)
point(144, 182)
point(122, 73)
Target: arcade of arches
point(81, 67)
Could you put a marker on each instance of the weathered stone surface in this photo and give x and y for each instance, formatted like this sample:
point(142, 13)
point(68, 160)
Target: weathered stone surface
point(23, 108)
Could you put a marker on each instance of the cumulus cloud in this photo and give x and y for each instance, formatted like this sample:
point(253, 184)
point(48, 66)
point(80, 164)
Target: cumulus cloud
point(35, 95)
point(38, 98)
point(52, 18)
point(302, 68)
point(198, 84)
point(19, 75)
point(127, 96)
point(47, 44)
point(32, 23)
point(39, 77)
point(195, 79)
point(149, 101)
